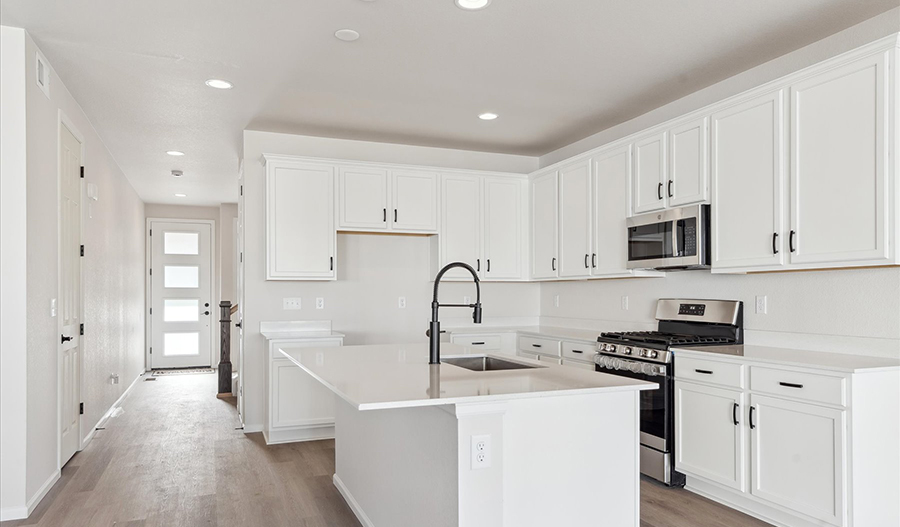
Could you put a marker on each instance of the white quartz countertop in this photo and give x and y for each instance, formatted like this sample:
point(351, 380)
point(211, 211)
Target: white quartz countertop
point(296, 335)
point(398, 376)
point(793, 357)
point(587, 335)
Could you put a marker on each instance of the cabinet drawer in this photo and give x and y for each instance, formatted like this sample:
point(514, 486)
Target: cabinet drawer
point(578, 364)
point(539, 345)
point(709, 371)
point(578, 351)
point(799, 385)
point(487, 342)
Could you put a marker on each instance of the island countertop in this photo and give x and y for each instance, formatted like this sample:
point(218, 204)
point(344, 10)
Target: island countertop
point(399, 376)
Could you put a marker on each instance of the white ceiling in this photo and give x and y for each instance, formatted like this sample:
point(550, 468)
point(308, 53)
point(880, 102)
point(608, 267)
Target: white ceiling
point(556, 71)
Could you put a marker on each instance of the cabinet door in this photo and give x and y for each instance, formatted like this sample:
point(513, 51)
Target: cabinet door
point(362, 198)
point(747, 184)
point(797, 457)
point(650, 173)
point(460, 236)
point(544, 226)
point(612, 172)
point(503, 229)
point(415, 201)
point(575, 220)
point(838, 159)
point(688, 163)
point(300, 233)
point(709, 439)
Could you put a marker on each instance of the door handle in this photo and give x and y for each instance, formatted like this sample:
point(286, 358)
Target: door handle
point(65, 338)
point(553, 264)
point(752, 424)
point(206, 312)
point(587, 258)
point(793, 234)
point(395, 215)
point(670, 188)
point(704, 372)
point(489, 265)
point(577, 351)
point(659, 191)
point(384, 215)
point(774, 243)
point(478, 264)
point(238, 324)
point(790, 385)
point(594, 260)
point(734, 413)
point(331, 263)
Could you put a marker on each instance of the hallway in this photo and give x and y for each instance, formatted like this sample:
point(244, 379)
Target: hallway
point(174, 458)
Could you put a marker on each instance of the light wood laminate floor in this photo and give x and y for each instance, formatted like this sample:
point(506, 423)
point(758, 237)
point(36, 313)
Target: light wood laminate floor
point(174, 458)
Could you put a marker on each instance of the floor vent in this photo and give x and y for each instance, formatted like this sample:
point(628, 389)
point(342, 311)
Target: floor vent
point(151, 378)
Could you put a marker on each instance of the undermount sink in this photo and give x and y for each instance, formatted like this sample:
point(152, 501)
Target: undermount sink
point(485, 363)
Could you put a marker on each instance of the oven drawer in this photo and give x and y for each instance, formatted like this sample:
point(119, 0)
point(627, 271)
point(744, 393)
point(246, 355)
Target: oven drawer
point(709, 371)
point(799, 385)
point(485, 342)
point(539, 345)
point(578, 351)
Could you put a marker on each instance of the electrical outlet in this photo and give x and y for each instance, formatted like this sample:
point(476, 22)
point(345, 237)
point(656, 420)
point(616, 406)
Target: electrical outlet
point(291, 303)
point(625, 303)
point(761, 305)
point(556, 301)
point(481, 452)
point(401, 302)
point(320, 303)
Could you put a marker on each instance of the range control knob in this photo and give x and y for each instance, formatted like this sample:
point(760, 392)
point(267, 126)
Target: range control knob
point(611, 348)
point(652, 354)
point(627, 350)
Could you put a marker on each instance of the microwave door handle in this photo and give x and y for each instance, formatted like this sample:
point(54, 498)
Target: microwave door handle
point(675, 252)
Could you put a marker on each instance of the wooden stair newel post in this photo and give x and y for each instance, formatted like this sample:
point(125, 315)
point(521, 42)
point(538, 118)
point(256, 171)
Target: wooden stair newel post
point(225, 347)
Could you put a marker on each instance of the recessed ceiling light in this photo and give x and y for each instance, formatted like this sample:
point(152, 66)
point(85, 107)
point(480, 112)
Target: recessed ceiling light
point(180, 195)
point(488, 116)
point(175, 153)
point(347, 35)
point(177, 173)
point(219, 84)
point(472, 5)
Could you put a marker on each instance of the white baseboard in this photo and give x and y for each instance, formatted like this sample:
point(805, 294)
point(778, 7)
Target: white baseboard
point(87, 439)
point(296, 435)
point(351, 502)
point(748, 506)
point(20, 513)
point(252, 429)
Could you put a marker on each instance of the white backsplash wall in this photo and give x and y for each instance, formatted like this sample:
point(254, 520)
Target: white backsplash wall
point(847, 311)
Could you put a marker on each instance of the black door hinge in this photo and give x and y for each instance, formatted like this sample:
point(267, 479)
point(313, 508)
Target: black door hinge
point(82, 172)
point(151, 310)
point(151, 232)
point(242, 190)
point(242, 257)
point(82, 250)
point(80, 408)
point(81, 329)
point(151, 272)
point(151, 351)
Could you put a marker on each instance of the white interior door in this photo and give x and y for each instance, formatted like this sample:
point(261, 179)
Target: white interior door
point(239, 298)
point(70, 320)
point(181, 294)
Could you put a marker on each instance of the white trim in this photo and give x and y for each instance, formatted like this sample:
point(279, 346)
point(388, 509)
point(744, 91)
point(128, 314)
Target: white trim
point(213, 289)
point(20, 513)
point(87, 439)
point(253, 429)
point(64, 121)
point(313, 432)
point(351, 501)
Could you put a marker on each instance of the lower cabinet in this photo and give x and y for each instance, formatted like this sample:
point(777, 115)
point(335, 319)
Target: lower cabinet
point(797, 456)
point(299, 408)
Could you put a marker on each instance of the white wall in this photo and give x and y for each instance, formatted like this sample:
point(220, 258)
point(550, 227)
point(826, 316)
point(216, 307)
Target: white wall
point(373, 270)
point(13, 329)
point(112, 285)
point(870, 30)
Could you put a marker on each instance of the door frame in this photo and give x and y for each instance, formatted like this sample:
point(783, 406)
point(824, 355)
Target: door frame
point(63, 121)
point(214, 289)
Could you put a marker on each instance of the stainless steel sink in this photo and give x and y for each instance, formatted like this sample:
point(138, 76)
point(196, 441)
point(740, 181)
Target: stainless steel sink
point(484, 363)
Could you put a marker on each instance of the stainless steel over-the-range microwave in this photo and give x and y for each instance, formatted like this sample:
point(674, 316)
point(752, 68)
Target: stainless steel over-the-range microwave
point(670, 239)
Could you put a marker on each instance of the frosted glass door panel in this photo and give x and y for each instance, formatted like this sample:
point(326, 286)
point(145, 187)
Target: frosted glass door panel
point(181, 243)
point(182, 277)
point(181, 309)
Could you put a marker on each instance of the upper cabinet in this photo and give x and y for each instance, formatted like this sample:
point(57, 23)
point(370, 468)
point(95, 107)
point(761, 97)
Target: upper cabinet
point(612, 173)
point(300, 234)
point(483, 224)
point(378, 199)
point(650, 173)
point(544, 218)
point(575, 238)
point(688, 163)
point(839, 159)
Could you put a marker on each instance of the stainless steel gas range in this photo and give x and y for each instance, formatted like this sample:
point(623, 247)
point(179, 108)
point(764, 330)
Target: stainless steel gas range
point(646, 355)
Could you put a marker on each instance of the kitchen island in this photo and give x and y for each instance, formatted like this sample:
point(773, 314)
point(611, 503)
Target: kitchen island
point(443, 445)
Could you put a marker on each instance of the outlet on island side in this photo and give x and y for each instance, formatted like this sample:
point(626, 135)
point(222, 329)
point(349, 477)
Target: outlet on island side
point(401, 302)
point(481, 452)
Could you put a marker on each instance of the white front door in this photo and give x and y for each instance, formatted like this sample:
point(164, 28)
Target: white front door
point(181, 294)
point(70, 319)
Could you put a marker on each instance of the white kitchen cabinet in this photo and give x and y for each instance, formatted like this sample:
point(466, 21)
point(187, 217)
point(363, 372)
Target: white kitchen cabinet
point(709, 439)
point(650, 173)
point(461, 223)
point(300, 233)
point(612, 173)
point(575, 237)
point(578, 364)
point(299, 407)
point(839, 155)
point(415, 201)
point(363, 198)
point(798, 456)
point(504, 228)
point(688, 163)
point(544, 223)
point(747, 184)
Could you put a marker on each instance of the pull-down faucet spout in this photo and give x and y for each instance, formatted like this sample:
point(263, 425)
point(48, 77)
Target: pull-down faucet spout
point(434, 331)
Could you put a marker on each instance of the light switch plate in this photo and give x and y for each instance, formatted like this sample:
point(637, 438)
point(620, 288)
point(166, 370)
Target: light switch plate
point(625, 303)
point(291, 304)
